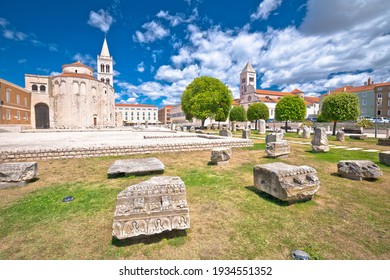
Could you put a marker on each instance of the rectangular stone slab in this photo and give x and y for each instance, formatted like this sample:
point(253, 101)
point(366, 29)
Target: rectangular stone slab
point(151, 207)
point(17, 174)
point(286, 182)
point(139, 166)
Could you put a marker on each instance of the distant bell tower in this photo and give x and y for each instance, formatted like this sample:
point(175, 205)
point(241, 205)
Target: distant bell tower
point(247, 77)
point(104, 65)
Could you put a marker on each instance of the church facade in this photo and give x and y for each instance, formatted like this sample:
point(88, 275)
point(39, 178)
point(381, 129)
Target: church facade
point(75, 99)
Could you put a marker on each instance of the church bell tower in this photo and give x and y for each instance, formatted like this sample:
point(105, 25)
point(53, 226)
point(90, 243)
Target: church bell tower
point(247, 77)
point(104, 65)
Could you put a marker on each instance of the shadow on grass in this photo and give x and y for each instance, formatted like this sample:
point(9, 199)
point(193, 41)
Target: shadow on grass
point(132, 176)
point(145, 239)
point(267, 196)
point(335, 174)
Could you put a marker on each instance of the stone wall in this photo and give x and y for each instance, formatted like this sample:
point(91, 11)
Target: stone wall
point(63, 153)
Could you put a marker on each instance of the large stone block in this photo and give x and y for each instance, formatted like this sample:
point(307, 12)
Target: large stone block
point(384, 157)
point(358, 169)
point(306, 132)
point(225, 133)
point(246, 133)
point(340, 135)
point(151, 207)
point(14, 174)
point(139, 166)
point(262, 126)
point(286, 182)
point(320, 140)
point(220, 156)
point(277, 149)
point(273, 137)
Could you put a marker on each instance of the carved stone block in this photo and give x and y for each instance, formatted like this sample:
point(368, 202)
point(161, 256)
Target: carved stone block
point(277, 149)
point(320, 140)
point(358, 169)
point(220, 156)
point(384, 157)
point(15, 174)
point(306, 132)
point(273, 137)
point(225, 133)
point(246, 133)
point(286, 182)
point(151, 207)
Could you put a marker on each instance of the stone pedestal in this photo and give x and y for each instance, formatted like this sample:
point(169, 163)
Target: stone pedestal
point(225, 133)
point(139, 166)
point(320, 140)
point(151, 207)
point(262, 127)
point(358, 169)
point(17, 174)
point(220, 156)
point(233, 126)
point(306, 132)
point(277, 149)
point(273, 137)
point(340, 135)
point(246, 133)
point(286, 182)
point(384, 157)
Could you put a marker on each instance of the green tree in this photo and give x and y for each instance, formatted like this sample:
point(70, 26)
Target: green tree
point(220, 116)
point(204, 96)
point(341, 107)
point(237, 114)
point(290, 108)
point(257, 111)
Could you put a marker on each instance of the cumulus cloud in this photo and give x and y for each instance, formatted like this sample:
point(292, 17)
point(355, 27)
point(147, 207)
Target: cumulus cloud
point(14, 35)
point(178, 18)
point(265, 8)
point(86, 59)
point(22, 60)
point(3, 22)
point(101, 19)
point(141, 67)
point(154, 31)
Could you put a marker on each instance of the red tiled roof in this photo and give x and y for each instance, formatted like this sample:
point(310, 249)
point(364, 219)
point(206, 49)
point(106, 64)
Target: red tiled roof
point(271, 92)
point(77, 64)
point(133, 105)
point(296, 91)
point(77, 75)
point(269, 100)
point(312, 99)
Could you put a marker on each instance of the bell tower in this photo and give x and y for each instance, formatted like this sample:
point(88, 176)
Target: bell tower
point(104, 65)
point(247, 77)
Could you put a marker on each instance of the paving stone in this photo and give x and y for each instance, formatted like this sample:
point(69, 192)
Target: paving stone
point(139, 166)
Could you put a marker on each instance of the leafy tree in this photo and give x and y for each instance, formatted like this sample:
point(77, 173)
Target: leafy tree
point(341, 107)
point(220, 116)
point(320, 118)
point(204, 96)
point(290, 108)
point(237, 114)
point(365, 123)
point(257, 111)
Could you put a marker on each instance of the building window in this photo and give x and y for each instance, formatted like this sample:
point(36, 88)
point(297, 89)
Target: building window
point(107, 81)
point(251, 79)
point(364, 94)
point(42, 88)
point(17, 99)
point(102, 79)
point(379, 95)
point(8, 114)
point(364, 102)
point(25, 101)
point(388, 103)
point(379, 88)
point(388, 111)
point(34, 88)
point(379, 112)
point(26, 116)
point(8, 95)
point(243, 80)
point(18, 115)
point(102, 67)
point(107, 68)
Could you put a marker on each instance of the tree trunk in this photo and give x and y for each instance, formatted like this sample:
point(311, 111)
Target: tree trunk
point(255, 124)
point(219, 125)
point(334, 127)
point(285, 128)
point(203, 123)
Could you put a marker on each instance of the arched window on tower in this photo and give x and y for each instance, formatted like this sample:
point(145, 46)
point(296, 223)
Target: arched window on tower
point(42, 88)
point(102, 67)
point(102, 79)
point(34, 87)
point(107, 68)
point(107, 81)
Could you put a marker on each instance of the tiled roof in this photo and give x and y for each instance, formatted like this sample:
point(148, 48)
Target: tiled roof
point(296, 91)
point(271, 92)
point(76, 75)
point(77, 64)
point(312, 99)
point(359, 88)
point(134, 105)
point(269, 100)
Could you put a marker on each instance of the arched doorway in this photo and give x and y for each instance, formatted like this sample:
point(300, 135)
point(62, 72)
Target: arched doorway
point(42, 119)
point(95, 120)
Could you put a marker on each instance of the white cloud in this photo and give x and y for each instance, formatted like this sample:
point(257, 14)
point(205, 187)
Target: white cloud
point(141, 67)
point(3, 22)
point(14, 35)
point(178, 18)
point(169, 74)
point(102, 20)
point(265, 8)
point(54, 73)
point(85, 59)
point(22, 60)
point(116, 73)
point(154, 31)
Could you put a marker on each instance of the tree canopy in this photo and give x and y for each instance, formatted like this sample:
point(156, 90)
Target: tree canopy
point(290, 108)
point(206, 97)
point(237, 114)
point(257, 111)
point(341, 107)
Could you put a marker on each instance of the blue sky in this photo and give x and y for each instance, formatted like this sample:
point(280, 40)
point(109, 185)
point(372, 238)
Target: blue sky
point(159, 47)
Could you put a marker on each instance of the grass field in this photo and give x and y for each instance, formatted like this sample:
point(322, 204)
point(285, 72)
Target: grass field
point(229, 218)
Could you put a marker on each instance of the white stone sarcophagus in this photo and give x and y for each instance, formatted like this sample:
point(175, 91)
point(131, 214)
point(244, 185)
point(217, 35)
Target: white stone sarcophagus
point(151, 207)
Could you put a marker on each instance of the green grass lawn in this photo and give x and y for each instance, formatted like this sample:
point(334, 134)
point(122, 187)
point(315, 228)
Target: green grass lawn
point(230, 219)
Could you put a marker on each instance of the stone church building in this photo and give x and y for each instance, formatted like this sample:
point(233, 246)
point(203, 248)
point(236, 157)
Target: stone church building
point(75, 99)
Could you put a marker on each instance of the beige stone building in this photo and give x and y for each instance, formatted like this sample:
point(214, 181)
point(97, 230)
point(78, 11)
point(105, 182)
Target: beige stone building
point(164, 114)
point(15, 104)
point(75, 99)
